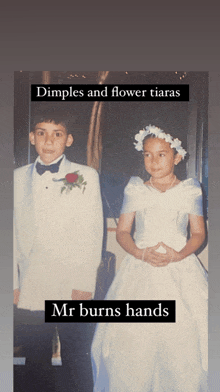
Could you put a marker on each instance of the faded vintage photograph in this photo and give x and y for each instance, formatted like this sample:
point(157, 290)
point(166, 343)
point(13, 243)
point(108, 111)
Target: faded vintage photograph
point(111, 203)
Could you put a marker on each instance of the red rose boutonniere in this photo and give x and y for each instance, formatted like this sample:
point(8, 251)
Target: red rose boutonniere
point(71, 181)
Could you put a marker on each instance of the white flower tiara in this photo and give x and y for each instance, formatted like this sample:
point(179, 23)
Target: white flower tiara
point(152, 130)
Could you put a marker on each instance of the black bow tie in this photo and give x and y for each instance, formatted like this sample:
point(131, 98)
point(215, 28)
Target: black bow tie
point(54, 168)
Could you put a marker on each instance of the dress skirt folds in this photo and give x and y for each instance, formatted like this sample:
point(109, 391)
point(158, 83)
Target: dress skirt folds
point(157, 357)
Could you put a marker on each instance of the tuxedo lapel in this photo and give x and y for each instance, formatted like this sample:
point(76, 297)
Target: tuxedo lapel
point(65, 168)
point(65, 199)
point(25, 210)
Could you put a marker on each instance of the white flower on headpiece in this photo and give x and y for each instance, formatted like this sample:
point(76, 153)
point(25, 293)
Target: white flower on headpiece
point(152, 130)
point(166, 137)
point(162, 135)
point(156, 131)
point(181, 151)
point(139, 137)
point(176, 143)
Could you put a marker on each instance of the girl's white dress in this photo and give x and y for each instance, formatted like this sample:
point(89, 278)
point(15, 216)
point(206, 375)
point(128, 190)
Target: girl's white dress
point(157, 357)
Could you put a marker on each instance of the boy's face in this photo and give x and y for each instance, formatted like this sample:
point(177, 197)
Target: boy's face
point(50, 141)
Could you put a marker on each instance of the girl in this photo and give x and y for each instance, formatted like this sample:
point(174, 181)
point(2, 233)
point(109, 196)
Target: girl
point(160, 265)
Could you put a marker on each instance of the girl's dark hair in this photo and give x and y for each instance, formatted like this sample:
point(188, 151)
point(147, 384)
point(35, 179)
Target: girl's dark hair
point(152, 136)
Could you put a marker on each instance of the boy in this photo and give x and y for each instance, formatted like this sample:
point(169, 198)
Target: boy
point(58, 236)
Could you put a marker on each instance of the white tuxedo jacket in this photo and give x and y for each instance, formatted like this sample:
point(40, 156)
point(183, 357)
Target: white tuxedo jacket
point(66, 253)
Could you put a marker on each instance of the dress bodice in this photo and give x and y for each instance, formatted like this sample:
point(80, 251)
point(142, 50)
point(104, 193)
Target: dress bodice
point(162, 216)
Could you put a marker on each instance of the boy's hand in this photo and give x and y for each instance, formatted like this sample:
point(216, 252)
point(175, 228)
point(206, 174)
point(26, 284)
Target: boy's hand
point(16, 296)
point(78, 295)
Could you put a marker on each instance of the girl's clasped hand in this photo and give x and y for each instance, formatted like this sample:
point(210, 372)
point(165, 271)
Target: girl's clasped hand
point(158, 259)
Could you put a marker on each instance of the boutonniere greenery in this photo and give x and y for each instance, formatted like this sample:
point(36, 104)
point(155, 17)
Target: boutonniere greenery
point(72, 180)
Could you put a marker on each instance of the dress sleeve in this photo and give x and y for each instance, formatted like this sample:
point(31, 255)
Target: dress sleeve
point(132, 196)
point(194, 198)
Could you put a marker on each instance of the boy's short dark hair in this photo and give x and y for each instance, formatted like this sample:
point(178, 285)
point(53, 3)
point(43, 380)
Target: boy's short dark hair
point(51, 117)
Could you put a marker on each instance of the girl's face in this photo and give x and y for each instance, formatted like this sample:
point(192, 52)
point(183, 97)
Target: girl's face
point(159, 158)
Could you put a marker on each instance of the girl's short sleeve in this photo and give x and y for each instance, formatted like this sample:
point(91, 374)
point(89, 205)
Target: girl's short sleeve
point(133, 198)
point(194, 198)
